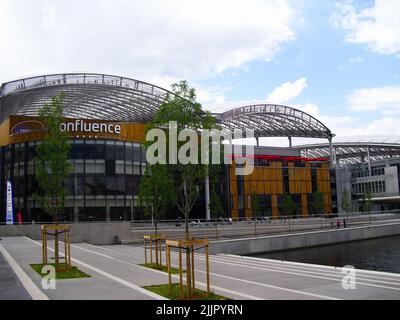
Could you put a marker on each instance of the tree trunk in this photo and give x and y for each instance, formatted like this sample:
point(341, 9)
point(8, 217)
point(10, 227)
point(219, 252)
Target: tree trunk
point(187, 237)
point(56, 247)
point(155, 225)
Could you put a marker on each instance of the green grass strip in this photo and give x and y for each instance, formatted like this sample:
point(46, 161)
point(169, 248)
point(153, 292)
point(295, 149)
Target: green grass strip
point(74, 273)
point(161, 268)
point(163, 290)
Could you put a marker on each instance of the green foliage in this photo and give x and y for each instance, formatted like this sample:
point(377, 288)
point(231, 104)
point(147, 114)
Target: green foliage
point(161, 268)
point(156, 189)
point(216, 208)
point(181, 106)
point(255, 205)
point(367, 199)
point(215, 205)
point(52, 166)
point(288, 206)
point(318, 202)
point(74, 273)
point(346, 201)
point(163, 290)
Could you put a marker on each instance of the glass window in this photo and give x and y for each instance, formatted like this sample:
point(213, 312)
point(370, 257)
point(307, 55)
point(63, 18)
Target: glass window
point(90, 166)
point(89, 186)
point(110, 150)
point(119, 167)
point(100, 166)
point(79, 166)
point(128, 168)
point(119, 150)
point(132, 184)
point(80, 184)
point(128, 151)
point(136, 169)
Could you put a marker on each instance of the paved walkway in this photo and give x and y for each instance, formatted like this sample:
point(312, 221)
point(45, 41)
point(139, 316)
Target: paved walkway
point(11, 287)
point(116, 274)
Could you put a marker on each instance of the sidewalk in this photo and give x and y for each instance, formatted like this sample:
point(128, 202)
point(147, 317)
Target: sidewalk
point(116, 274)
point(10, 287)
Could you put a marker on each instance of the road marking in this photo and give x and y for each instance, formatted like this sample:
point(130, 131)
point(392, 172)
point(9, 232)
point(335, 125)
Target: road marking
point(29, 285)
point(311, 269)
point(215, 274)
point(251, 297)
point(300, 265)
point(273, 287)
point(303, 275)
point(112, 277)
point(274, 269)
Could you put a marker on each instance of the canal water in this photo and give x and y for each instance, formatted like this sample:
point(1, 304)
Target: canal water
point(381, 254)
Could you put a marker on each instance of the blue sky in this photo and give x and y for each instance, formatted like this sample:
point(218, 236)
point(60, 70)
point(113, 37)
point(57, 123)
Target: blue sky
point(337, 60)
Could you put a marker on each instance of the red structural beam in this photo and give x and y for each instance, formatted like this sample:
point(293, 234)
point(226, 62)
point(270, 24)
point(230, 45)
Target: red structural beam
point(280, 158)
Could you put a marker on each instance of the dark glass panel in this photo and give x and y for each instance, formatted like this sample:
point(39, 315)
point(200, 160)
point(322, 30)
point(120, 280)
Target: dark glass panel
point(132, 184)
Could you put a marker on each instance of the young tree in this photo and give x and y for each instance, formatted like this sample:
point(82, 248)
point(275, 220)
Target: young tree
point(368, 203)
point(318, 202)
point(52, 166)
point(346, 202)
point(181, 107)
point(288, 206)
point(156, 190)
point(216, 209)
point(255, 205)
point(215, 205)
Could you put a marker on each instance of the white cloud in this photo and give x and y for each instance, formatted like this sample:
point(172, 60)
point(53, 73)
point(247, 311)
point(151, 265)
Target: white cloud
point(349, 62)
point(377, 26)
point(334, 123)
point(211, 96)
point(142, 39)
point(386, 126)
point(370, 99)
point(287, 91)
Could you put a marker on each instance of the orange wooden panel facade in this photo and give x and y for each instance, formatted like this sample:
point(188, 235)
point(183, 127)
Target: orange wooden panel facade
point(130, 132)
point(268, 180)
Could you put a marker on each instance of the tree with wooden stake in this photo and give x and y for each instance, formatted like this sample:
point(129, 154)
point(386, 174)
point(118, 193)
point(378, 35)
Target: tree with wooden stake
point(215, 206)
point(318, 203)
point(52, 166)
point(368, 202)
point(288, 206)
point(346, 203)
point(156, 192)
point(181, 108)
point(255, 208)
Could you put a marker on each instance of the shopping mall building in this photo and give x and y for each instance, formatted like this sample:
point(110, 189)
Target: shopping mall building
point(105, 117)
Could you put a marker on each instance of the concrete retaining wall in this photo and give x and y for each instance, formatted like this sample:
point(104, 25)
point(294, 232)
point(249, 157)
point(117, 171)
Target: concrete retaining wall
point(302, 240)
point(93, 233)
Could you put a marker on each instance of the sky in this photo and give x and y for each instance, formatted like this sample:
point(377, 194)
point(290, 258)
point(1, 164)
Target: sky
point(336, 60)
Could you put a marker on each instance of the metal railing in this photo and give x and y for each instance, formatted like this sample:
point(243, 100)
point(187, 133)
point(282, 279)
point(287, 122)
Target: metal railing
point(230, 228)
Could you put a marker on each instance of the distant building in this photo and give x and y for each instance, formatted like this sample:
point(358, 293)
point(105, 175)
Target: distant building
point(105, 118)
point(363, 167)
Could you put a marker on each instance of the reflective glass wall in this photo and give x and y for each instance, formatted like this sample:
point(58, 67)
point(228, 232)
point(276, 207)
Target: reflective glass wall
point(102, 187)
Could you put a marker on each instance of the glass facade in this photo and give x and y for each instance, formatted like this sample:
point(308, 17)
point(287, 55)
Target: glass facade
point(103, 185)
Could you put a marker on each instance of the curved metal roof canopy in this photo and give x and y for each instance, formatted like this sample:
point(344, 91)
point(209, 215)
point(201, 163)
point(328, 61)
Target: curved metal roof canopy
point(107, 97)
point(87, 95)
point(268, 120)
point(353, 152)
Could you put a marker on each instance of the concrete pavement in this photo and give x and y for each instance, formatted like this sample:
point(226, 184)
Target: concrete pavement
point(116, 274)
point(11, 287)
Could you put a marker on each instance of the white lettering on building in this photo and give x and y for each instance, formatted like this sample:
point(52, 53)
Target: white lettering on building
point(81, 126)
